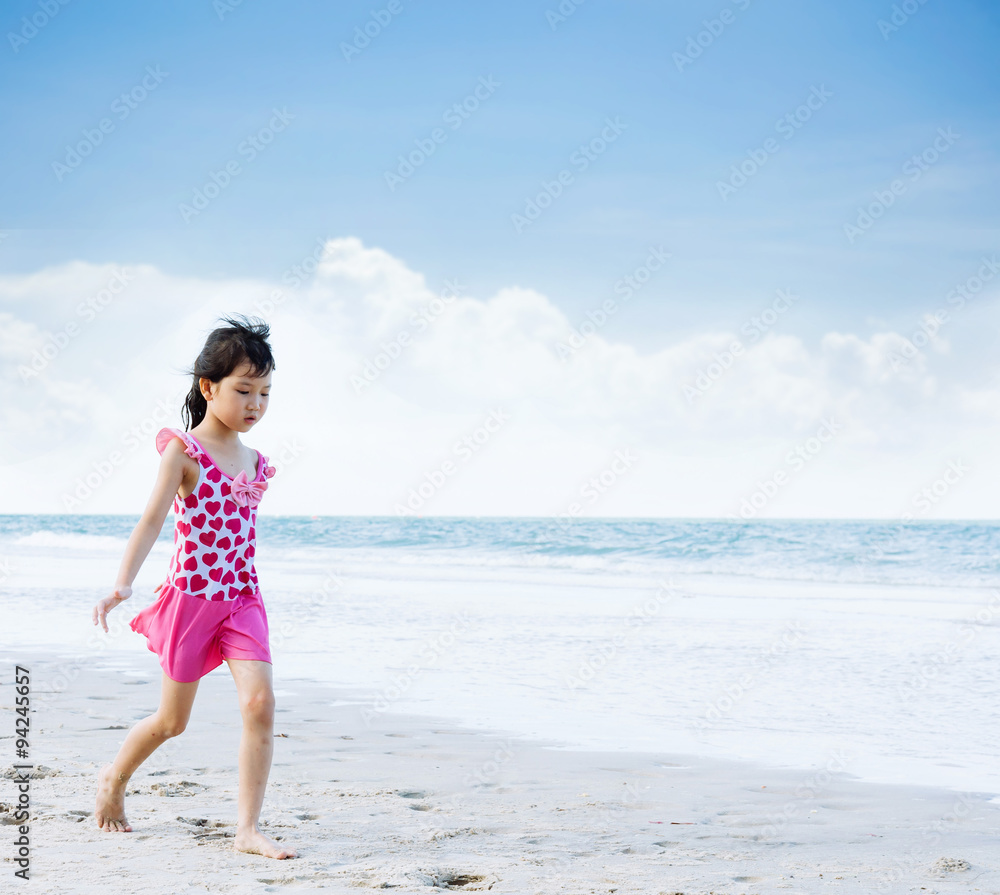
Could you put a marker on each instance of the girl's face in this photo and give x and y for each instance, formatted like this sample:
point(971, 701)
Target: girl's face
point(239, 400)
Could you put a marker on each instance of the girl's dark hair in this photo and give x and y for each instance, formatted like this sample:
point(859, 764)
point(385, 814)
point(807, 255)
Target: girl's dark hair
point(226, 348)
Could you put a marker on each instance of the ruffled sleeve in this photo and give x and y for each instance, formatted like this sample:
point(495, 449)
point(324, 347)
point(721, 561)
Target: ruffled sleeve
point(268, 469)
point(163, 439)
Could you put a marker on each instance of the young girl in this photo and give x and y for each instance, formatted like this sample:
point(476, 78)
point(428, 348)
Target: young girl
point(210, 607)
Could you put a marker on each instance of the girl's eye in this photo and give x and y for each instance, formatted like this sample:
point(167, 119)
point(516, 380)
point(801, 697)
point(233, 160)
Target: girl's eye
point(243, 393)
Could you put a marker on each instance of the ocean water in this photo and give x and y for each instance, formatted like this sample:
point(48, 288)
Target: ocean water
point(868, 646)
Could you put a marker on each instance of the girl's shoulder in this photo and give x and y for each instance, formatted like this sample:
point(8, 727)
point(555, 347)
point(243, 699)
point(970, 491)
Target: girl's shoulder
point(191, 447)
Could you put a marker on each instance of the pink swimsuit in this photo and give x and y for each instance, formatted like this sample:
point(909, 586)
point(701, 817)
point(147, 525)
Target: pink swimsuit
point(209, 607)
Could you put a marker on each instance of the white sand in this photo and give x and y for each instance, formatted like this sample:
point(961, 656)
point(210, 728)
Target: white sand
point(412, 803)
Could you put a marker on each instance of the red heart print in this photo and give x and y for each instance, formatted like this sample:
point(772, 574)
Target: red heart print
point(234, 525)
point(245, 512)
point(239, 540)
point(244, 577)
point(184, 528)
point(198, 583)
point(223, 543)
point(240, 563)
point(179, 583)
point(229, 508)
point(213, 475)
point(199, 520)
point(224, 489)
point(191, 500)
point(252, 533)
point(229, 556)
point(218, 595)
point(215, 523)
point(207, 538)
point(206, 490)
point(216, 573)
point(190, 546)
point(250, 551)
point(228, 578)
point(191, 563)
point(210, 558)
point(212, 507)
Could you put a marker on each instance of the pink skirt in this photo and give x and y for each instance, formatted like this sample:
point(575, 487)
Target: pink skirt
point(192, 635)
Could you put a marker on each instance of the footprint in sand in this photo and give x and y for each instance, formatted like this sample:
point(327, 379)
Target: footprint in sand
point(203, 822)
point(181, 788)
point(452, 879)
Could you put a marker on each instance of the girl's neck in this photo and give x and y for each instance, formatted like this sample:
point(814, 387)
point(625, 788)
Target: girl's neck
point(214, 430)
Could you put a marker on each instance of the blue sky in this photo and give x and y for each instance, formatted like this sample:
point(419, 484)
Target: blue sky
point(885, 98)
point(657, 184)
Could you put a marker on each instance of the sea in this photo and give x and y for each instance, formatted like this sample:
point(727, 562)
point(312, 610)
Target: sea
point(868, 646)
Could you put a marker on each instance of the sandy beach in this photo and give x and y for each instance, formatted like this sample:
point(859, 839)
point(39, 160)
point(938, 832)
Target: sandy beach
point(416, 803)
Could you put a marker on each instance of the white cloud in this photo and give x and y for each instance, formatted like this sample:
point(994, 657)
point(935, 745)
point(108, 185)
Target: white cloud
point(455, 359)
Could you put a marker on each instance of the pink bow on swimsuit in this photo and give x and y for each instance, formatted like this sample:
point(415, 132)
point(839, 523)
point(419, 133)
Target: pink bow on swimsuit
point(247, 494)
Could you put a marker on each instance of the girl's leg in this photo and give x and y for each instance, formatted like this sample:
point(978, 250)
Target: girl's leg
point(256, 695)
point(170, 719)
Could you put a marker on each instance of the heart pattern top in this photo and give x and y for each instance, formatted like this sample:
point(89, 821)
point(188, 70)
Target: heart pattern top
point(214, 534)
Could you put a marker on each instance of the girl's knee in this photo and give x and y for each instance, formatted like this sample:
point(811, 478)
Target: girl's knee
point(170, 727)
point(258, 705)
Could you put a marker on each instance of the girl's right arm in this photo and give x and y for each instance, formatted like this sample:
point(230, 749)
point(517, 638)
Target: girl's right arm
point(173, 463)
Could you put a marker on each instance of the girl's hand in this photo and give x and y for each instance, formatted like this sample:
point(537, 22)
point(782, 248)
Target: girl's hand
point(119, 593)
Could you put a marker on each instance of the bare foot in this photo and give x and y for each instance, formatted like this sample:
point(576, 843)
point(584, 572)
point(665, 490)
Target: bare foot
point(254, 842)
point(110, 810)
